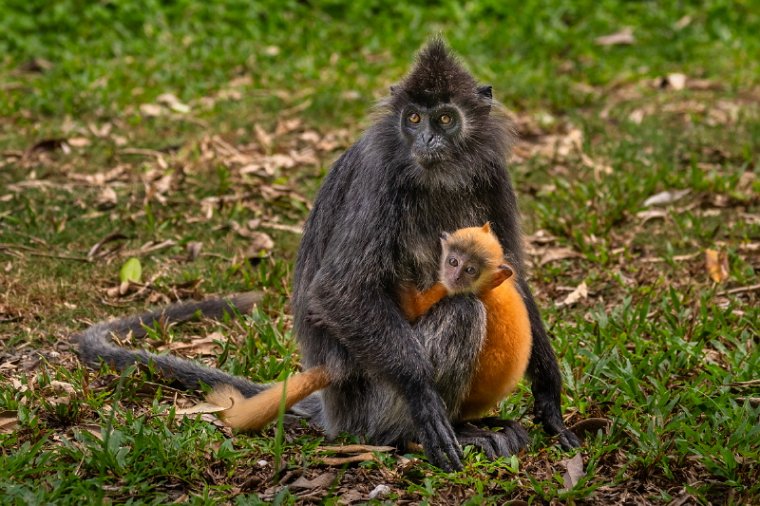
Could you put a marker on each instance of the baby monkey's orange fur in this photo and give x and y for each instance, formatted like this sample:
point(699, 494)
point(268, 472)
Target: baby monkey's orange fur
point(506, 350)
point(472, 262)
point(253, 413)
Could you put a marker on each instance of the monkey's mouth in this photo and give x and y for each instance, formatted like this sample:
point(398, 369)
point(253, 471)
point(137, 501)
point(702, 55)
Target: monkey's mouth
point(427, 158)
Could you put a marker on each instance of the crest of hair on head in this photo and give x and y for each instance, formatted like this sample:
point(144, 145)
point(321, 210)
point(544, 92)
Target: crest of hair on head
point(437, 77)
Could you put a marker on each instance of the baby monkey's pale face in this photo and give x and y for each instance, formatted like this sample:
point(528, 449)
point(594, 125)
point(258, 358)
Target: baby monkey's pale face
point(462, 272)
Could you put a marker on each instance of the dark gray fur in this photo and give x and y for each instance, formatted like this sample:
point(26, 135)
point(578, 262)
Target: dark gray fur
point(95, 343)
point(375, 224)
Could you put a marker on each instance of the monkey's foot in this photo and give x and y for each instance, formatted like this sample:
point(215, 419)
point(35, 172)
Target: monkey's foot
point(548, 414)
point(554, 425)
point(500, 438)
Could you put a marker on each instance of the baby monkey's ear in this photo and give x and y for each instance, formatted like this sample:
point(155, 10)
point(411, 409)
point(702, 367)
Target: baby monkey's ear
point(503, 273)
point(444, 237)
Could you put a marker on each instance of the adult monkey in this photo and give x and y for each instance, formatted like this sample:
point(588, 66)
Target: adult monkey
point(434, 160)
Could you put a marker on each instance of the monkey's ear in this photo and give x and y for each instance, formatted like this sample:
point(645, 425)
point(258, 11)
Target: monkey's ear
point(486, 227)
point(444, 237)
point(503, 273)
point(507, 270)
point(486, 92)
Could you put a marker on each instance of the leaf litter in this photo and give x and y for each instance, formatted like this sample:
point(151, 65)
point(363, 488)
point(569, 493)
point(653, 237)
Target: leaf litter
point(258, 169)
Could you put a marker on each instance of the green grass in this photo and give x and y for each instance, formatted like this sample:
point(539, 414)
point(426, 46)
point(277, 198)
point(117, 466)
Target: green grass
point(663, 353)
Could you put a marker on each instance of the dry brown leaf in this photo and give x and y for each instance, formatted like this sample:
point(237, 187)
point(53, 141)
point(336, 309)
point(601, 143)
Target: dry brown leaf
point(675, 81)
point(100, 131)
point(559, 146)
point(598, 167)
point(682, 23)
point(262, 136)
point(202, 346)
point(324, 480)
point(201, 408)
point(355, 448)
point(173, 103)
point(339, 461)
point(100, 178)
point(380, 492)
point(665, 198)
point(151, 109)
point(310, 137)
point(286, 126)
point(62, 386)
point(350, 496)
point(581, 292)
point(714, 357)
point(94, 429)
point(651, 214)
point(637, 116)
point(107, 198)
point(753, 401)
point(590, 425)
point(555, 254)
point(78, 142)
point(746, 384)
point(260, 244)
point(96, 248)
point(193, 249)
point(716, 263)
point(540, 236)
point(8, 423)
point(623, 37)
point(574, 471)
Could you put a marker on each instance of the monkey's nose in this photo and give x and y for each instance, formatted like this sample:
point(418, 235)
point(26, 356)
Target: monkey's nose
point(426, 139)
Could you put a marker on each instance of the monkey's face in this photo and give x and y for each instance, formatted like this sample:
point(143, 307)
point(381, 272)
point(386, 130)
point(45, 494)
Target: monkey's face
point(462, 272)
point(432, 133)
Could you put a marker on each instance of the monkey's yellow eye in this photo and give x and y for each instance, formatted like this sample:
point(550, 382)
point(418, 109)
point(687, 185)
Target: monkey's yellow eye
point(445, 119)
point(414, 118)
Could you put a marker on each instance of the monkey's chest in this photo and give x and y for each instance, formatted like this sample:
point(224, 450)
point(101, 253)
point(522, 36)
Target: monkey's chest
point(419, 240)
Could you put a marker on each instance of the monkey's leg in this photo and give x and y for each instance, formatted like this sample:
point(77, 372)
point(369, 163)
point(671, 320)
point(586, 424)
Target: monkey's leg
point(450, 336)
point(454, 348)
point(546, 381)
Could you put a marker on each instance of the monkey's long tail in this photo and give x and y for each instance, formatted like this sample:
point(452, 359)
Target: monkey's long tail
point(95, 346)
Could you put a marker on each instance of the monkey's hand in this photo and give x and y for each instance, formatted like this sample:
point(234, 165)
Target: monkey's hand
point(435, 431)
point(314, 317)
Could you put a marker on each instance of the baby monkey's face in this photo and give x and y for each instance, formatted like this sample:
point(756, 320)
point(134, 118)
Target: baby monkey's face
point(462, 272)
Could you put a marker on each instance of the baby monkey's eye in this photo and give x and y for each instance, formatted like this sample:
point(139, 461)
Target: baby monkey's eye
point(453, 262)
point(445, 119)
point(470, 270)
point(414, 118)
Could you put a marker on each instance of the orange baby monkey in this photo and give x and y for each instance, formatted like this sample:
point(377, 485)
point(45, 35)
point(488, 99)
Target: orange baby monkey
point(472, 262)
